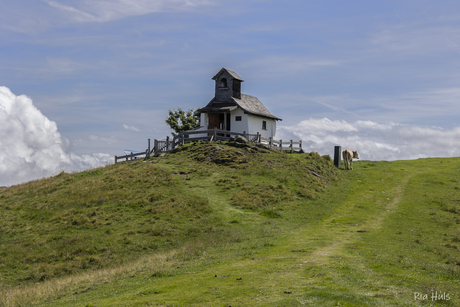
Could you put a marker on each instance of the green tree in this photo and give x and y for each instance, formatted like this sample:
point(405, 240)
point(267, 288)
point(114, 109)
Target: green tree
point(180, 120)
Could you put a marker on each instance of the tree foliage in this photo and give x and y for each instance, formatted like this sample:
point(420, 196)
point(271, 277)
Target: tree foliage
point(180, 120)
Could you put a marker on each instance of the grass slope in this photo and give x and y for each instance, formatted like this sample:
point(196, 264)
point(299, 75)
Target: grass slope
point(213, 225)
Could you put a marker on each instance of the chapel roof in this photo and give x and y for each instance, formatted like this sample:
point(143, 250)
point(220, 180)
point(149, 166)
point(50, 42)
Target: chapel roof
point(253, 105)
point(247, 103)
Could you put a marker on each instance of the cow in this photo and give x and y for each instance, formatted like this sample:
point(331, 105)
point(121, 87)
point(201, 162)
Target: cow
point(348, 156)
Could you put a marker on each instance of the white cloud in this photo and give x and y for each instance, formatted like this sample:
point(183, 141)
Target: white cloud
point(79, 15)
point(130, 128)
point(107, 10)
point(31, 146)
point(324, 126)
point(375, 141)
point(109, 140)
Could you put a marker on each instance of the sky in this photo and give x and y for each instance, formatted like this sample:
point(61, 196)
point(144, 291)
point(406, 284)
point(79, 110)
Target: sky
point(80, 80)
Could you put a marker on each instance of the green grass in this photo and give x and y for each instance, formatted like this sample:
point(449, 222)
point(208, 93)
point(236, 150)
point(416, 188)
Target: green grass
point(225, 226)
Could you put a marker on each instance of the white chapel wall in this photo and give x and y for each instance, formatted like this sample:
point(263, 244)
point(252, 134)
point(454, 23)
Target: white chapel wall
point(255, 125)
point(238, 126)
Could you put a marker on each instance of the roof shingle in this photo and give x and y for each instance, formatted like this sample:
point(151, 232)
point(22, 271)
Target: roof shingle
point(253, 105)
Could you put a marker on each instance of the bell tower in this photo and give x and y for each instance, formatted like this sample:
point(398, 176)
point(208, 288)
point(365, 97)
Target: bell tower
point(228, 85)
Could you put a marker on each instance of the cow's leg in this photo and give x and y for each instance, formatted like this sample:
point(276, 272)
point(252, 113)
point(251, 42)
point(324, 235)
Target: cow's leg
point(346, 163)
point(351, 164)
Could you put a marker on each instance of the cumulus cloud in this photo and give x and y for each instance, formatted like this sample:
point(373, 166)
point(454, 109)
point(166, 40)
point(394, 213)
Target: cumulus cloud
point(31, 146)
point(375, 141)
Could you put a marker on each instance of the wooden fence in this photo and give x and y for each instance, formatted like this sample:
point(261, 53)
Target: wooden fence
point(168, 144)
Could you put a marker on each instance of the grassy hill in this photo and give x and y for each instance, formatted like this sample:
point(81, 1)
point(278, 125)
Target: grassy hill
point(217, 225)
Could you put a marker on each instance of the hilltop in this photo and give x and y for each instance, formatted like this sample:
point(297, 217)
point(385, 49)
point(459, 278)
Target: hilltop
point(214, 225)
point(109, 216)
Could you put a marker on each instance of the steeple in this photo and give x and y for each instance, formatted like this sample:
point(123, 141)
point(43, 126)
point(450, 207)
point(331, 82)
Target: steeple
point(228, 85)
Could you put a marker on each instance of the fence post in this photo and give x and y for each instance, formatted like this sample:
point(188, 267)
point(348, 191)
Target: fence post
point(291, 147)
point(183, 139)
point(337, 159)
point(115, 159)
point(214, 136)
point(244, 135)
point(258, 137)
point(270, 142)
point(300, 145)
point(281, 145)
point(167, 143)
point(155, 146)
point(147, 154)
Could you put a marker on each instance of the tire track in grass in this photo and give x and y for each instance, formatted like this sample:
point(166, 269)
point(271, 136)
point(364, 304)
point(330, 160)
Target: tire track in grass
point(349, 232)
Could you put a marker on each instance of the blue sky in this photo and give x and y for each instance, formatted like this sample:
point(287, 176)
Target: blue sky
point(378, 76)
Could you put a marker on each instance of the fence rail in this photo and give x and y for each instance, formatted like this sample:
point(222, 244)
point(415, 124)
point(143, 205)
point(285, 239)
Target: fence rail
point(169, 144)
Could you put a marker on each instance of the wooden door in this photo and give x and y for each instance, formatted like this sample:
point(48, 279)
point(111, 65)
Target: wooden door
point(213, 120)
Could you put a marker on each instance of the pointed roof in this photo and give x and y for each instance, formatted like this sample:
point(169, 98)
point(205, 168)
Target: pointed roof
point(232, 73)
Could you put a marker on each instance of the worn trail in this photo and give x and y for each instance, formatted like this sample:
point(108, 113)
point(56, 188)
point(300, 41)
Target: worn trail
point(303, 259)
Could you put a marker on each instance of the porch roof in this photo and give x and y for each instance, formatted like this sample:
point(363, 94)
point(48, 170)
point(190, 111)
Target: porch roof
point(216, 108)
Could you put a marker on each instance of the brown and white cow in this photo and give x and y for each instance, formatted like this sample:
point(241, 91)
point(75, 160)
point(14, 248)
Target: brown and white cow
point(348, 156)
